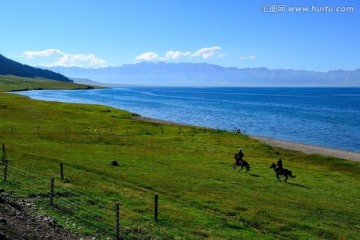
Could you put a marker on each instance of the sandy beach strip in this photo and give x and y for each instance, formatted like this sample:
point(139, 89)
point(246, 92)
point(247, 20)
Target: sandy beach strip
point(309, 149)
point(154, 120)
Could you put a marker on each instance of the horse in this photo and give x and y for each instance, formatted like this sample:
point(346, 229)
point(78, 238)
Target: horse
point(242, 164)
point(287, 173)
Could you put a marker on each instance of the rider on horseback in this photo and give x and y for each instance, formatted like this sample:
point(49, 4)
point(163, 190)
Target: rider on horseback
point(240, 155)
point(239, 161)
point(279, 170)
point(279, 166)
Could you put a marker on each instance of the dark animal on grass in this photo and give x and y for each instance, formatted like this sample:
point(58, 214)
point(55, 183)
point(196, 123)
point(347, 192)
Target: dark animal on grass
point(282, 171)
point(114, 163)
point(242, 164)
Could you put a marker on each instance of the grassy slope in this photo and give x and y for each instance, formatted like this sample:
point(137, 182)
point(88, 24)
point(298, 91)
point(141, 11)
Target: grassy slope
point(201, 197)
point(11, 83)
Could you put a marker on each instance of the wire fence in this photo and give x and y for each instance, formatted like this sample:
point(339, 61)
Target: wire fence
point(76, 209)
point(135, 130)
point(119, 135)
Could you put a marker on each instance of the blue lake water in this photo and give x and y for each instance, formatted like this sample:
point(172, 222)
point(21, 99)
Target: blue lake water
point(328, 117)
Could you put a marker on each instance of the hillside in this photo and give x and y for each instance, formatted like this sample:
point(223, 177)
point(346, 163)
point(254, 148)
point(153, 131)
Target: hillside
point(203, 74)
point(10, 67)
point(9, 83)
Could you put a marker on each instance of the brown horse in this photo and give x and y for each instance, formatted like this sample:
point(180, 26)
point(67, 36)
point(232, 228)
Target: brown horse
point(242, 164)
point(287, 173)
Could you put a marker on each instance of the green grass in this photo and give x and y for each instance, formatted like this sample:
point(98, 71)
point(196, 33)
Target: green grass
point(13, 83)
point(200, 195)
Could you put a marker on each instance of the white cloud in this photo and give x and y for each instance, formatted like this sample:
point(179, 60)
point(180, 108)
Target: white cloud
point(67, 60)
point(248, 57)
point(207, 52)
point(176, 55)
point(148, 56)
point(79, 60)
point(45, 53)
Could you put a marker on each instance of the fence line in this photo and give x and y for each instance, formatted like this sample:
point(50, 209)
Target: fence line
point(97, 214)
point(110, 131)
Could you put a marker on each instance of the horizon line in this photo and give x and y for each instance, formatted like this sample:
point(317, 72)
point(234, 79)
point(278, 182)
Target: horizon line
point(162, 62)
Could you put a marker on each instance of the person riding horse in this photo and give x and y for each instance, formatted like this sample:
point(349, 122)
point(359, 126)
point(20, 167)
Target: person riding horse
point(240, 155)
point(239, 161)
point(279, 166)
point(281, 171)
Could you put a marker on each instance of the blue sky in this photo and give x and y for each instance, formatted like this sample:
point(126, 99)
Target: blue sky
point(230, 33)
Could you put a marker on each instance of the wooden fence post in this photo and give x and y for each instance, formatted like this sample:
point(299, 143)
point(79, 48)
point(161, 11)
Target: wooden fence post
point(61, 171)
point(117, 221)
point(4, 152)
point(52, 192)
point(5, 169)
point(156, 207)
point(5, 162)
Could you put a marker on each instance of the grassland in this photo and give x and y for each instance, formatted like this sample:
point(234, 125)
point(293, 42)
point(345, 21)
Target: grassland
point(200, 195)
point(13, 83)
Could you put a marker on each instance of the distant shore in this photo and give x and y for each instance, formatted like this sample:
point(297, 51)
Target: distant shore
point(305, 148)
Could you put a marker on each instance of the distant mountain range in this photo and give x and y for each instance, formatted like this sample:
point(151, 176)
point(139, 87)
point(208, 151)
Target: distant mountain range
point(184, 74)
point(203, 74)
point(10, 67)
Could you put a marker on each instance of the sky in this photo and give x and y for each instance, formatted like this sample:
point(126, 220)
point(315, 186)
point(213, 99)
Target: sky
point(317, 35)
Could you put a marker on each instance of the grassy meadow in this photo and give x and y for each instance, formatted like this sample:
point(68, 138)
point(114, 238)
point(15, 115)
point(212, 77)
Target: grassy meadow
point(200, 195)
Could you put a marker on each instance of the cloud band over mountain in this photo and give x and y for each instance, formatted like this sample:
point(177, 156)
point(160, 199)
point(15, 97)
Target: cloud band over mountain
point(58, 58)
point(61, 59)
point(204, 53)
point(203, 74)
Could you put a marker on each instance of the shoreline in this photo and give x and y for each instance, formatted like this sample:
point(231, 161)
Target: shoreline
point(305, 148)
point(155, 120)
point(309, 149)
